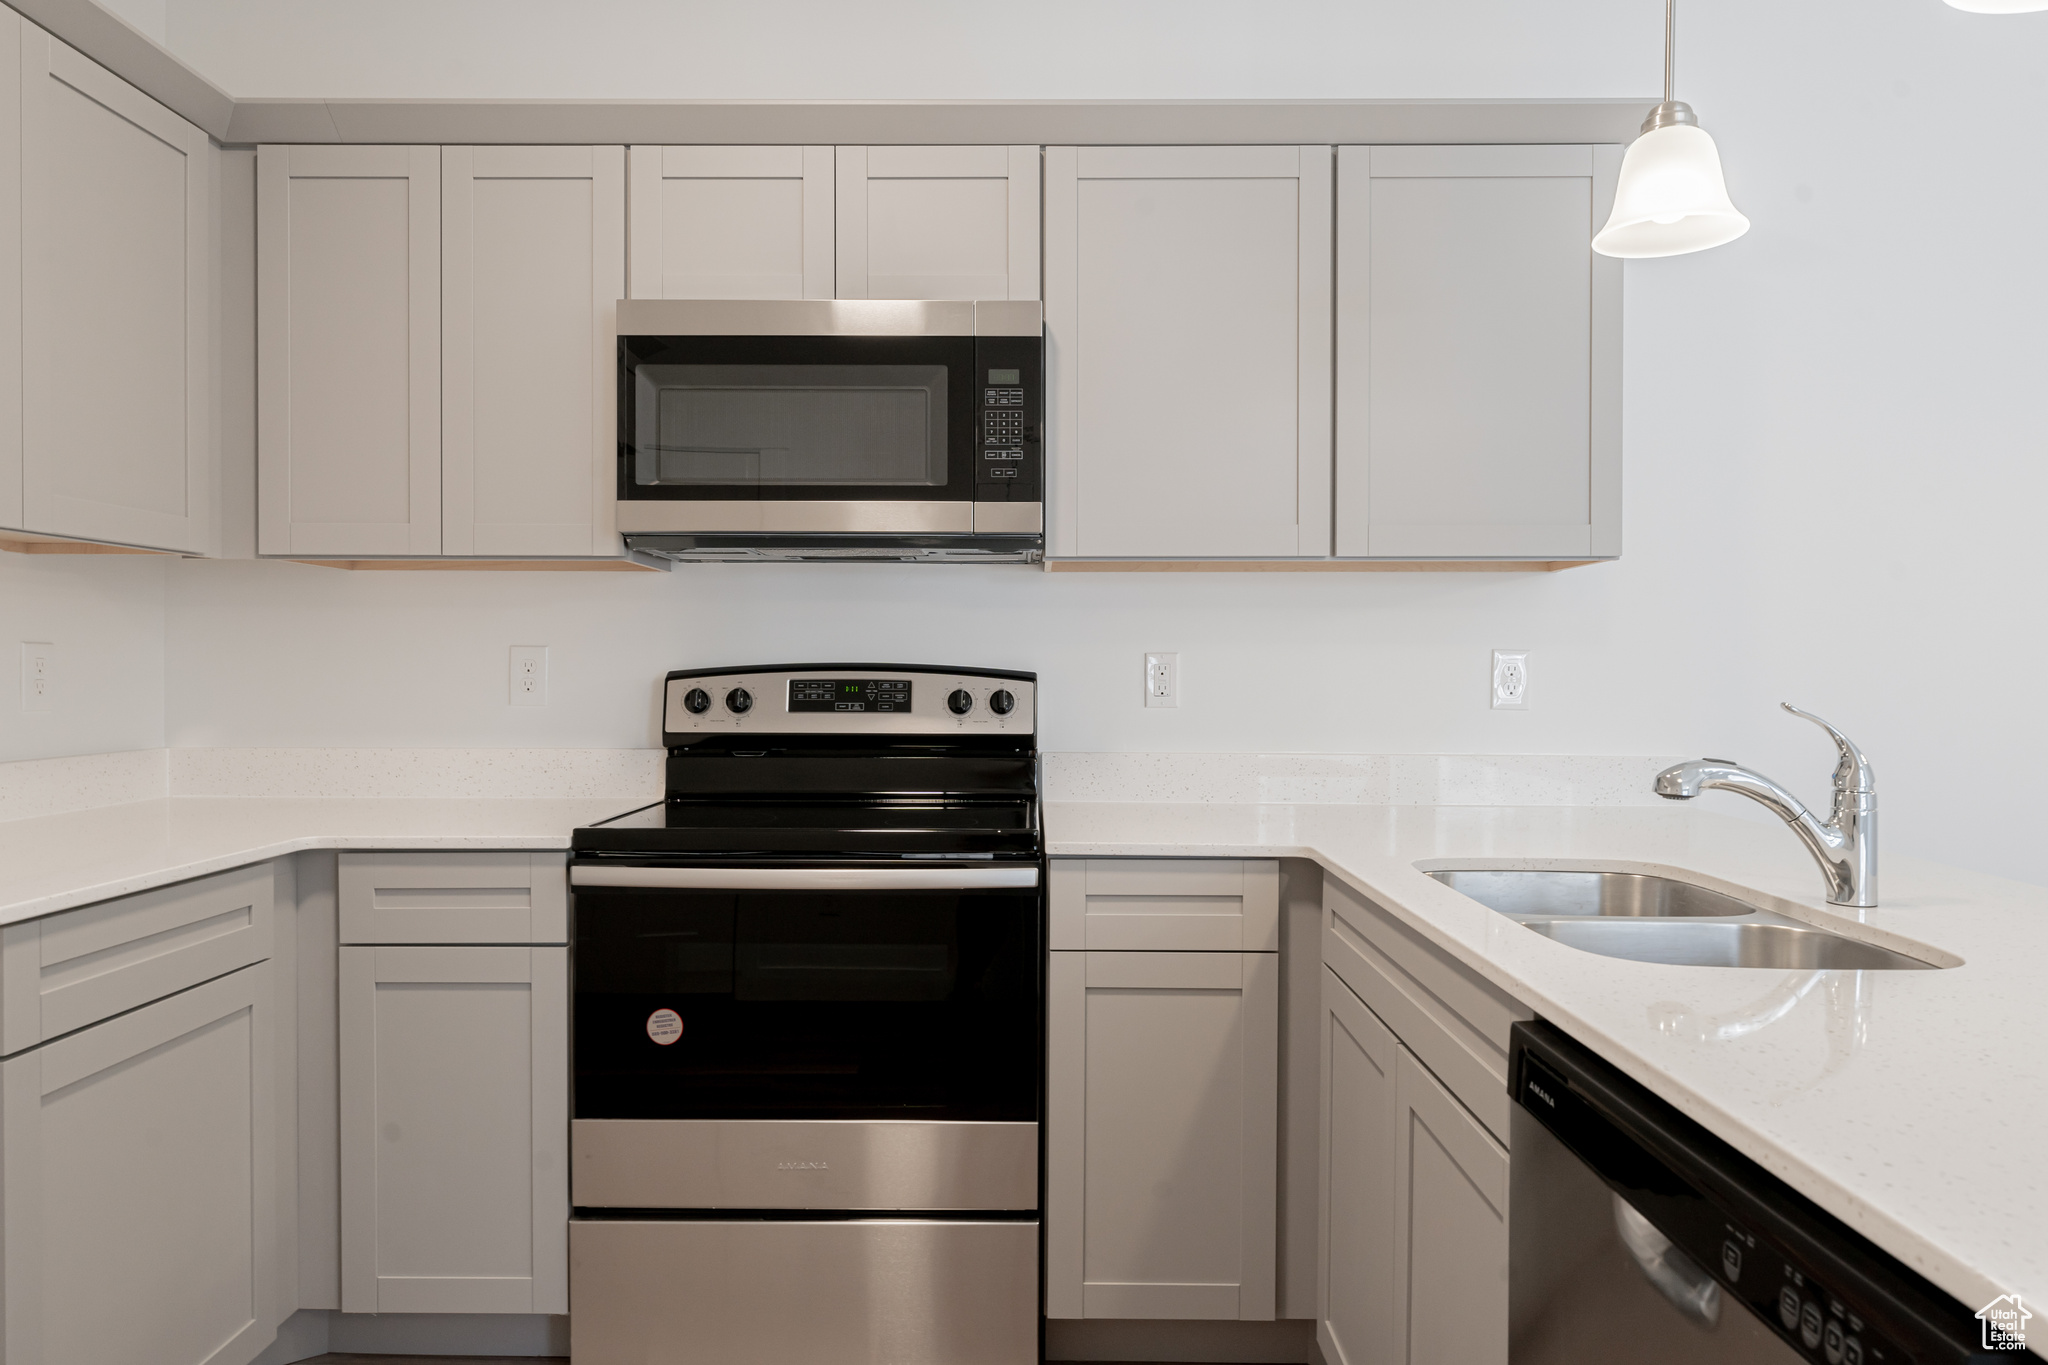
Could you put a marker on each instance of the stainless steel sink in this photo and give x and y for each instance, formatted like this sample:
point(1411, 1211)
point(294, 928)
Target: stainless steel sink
point(1647, 918)
point(1629, 895)
point(1768, 941)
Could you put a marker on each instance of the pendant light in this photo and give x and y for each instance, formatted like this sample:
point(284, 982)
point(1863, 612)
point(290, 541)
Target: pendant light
point(1671, 198)
point(1999, 6)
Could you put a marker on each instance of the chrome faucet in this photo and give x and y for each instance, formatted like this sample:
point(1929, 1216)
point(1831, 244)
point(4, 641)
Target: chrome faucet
point(1845, 847)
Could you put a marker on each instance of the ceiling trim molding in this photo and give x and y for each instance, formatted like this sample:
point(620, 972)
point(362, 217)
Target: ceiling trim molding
point(144, 63)
point(975, 122)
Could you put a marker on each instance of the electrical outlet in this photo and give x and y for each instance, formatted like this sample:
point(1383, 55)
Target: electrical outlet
point(38, 676)
point(1511, 680)
point(1162, 680)
point(529, 680)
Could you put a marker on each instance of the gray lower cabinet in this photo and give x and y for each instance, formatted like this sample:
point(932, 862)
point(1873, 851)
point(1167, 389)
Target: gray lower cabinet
point(139, 1120)
point(454, 1129)
point(1413, 1235)
point(1355, 1243)
point(1162, 1108)
point(138, 1186)
point(1450, 1227)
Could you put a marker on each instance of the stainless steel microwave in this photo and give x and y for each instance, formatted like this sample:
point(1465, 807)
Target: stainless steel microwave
point(832, 429)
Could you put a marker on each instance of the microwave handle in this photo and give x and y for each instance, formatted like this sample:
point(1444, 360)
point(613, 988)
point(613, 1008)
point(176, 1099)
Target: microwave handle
point(805, 878)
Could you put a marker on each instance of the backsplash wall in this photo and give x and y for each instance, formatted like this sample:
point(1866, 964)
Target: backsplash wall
point(105, 615)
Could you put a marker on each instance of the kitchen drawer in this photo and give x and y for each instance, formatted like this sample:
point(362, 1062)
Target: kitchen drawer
point(498, 897)
point(1454, 1021)
point(1200, 905)
point(65, 971)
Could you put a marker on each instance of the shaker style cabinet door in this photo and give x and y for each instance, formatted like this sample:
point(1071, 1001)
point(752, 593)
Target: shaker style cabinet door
point(1478, 353)
point(1450, 1228)
point(1161, 1146)
point(731, 222)
point(938, 222)
point(1187, 303)
point(12, 31)
point(533, 263)
point(348, 304)
point(137, 1185)
point(454, 1130)
point(1355, 1291)
point(116, 335)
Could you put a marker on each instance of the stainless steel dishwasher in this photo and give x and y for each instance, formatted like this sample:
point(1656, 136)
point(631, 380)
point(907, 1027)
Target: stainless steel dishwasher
point(1638, 1236)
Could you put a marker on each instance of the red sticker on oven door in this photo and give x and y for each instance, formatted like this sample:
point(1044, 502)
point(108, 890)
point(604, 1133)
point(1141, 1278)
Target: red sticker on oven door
point(664, 1026)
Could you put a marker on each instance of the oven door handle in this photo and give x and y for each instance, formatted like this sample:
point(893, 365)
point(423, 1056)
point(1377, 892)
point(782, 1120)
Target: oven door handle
point(806, 878)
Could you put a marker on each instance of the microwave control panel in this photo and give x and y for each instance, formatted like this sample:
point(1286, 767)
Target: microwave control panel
point(1010, 419)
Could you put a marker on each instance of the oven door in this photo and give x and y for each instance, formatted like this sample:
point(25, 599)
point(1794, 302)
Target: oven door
point(797, 433)
point(811, 1037)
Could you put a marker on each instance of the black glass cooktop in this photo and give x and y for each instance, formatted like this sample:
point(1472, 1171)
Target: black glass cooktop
point(891, 829)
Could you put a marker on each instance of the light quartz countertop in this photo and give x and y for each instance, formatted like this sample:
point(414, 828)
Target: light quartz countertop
point(54, 862)
point(1913, 1105)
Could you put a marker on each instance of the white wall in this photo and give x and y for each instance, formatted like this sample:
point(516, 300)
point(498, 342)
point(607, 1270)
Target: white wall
point(1835, 435)
point(920, 49)
point(105, 615)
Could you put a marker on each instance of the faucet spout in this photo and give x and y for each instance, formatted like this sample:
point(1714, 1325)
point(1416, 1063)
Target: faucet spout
point(1845, 845)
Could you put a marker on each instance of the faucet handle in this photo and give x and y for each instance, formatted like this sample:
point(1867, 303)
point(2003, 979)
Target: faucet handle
point(1852, 771)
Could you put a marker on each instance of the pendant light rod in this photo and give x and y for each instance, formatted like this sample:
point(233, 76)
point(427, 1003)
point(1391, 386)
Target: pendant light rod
point(1670, 45)
point(1671, 112)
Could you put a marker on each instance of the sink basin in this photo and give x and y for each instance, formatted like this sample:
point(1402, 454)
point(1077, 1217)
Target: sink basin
point(1770, 943)
point(1647, 918)
point(1622, 895)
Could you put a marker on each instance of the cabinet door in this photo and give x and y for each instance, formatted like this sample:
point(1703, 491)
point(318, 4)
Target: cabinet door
point(139, 1154)
point(1355, 1295)
point(533, 262)
point(938, 222)
point(348, 325)
point(1161, 1139)
point(117, 386)
point(731, 222)
point(454, 1130)
point(1450, 1226)
point(12, 30)
point(1478, 353)
point(1187, 304)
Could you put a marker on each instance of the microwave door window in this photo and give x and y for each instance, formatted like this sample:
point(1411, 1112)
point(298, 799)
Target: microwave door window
point(791, 426)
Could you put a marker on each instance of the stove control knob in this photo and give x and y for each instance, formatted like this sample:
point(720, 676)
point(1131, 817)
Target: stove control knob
point(960, 702)
point(697, 701)
point(1001, 702)
point(739, 701)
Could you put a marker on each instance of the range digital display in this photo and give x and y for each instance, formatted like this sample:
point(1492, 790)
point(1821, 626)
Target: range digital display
point(849, 694)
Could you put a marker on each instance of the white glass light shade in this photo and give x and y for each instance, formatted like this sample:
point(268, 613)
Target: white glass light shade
point(1671, 198)
point(1999, 6)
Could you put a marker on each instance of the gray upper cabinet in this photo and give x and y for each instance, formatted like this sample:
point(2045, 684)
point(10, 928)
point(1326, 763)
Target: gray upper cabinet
point(11, 30)
point(533, 263)
point(348, 306)
point(937, 222)
point(731, 222)
point(436, 350)
point(834, 222)
point(1187, 305)
point(116, 201)
point(1478, 354)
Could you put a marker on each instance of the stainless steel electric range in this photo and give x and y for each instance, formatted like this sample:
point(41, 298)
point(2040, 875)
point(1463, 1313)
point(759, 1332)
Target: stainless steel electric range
point(809, 1021)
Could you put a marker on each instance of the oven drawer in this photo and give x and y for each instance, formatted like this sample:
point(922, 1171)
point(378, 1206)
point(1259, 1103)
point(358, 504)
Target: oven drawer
point(797, 1164)
point(756, 1292)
